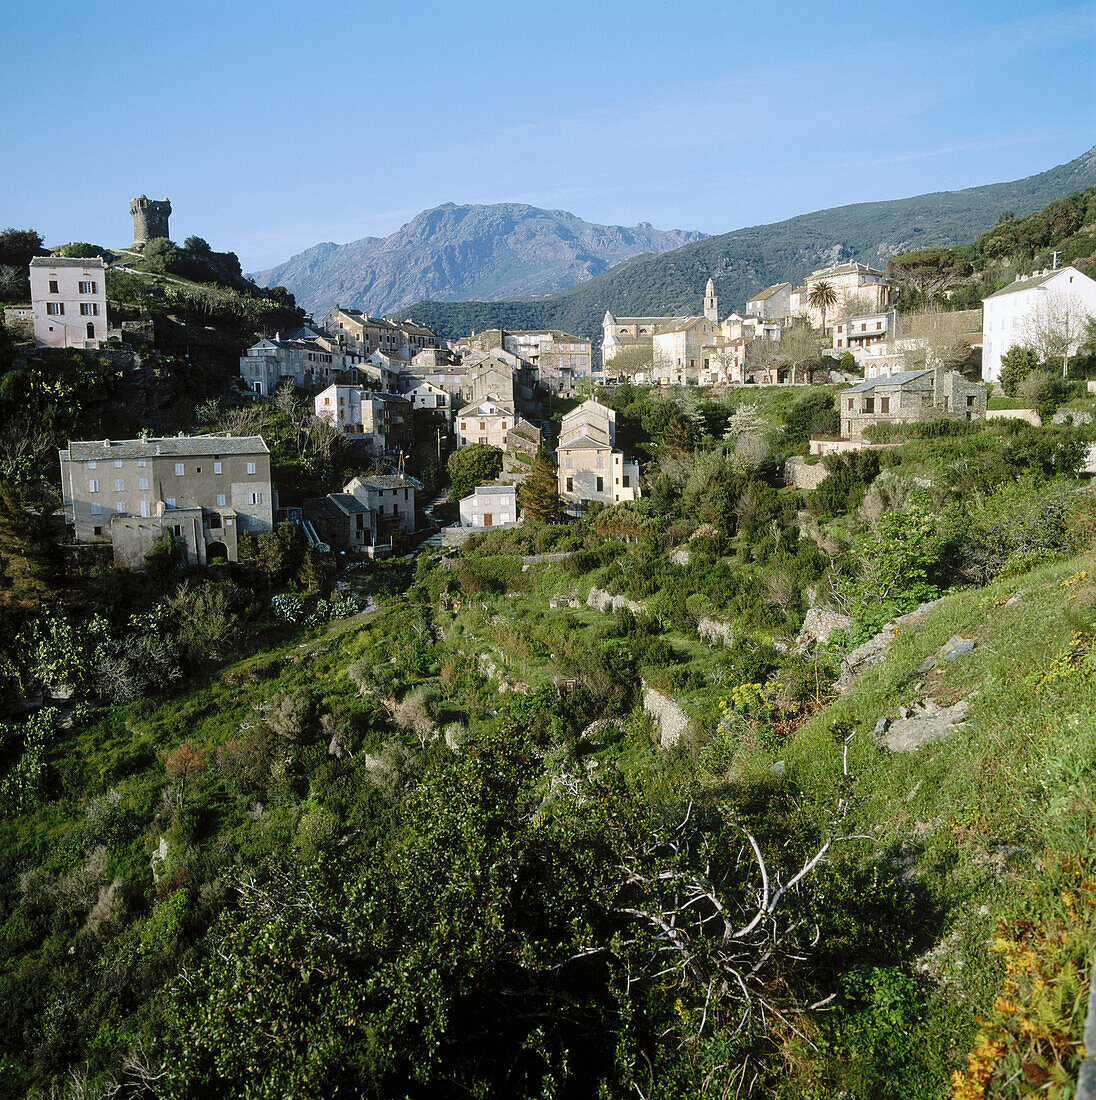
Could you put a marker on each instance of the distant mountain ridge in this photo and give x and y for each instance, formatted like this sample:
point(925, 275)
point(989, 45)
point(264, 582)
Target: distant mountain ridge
point(460, 252)
point(747, 260)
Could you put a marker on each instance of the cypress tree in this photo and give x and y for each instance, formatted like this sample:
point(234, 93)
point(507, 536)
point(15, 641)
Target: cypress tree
point(538, 494)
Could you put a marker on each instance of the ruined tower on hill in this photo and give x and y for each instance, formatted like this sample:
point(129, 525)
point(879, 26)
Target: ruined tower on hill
point(149, 219)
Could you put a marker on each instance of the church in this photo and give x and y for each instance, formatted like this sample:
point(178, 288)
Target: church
point(680, 347)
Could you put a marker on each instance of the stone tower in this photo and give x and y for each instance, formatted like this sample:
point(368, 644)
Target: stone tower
point(149, 219)
point(711, 303)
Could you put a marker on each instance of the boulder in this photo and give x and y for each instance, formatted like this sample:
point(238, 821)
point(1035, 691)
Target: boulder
point(875, 649)
point(818, 625)
point(923, 723)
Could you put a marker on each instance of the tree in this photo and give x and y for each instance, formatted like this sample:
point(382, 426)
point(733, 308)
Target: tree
point(822, 297)
point(160, 255)
point(476, 464)
point(538, 494)
point(632, 361)
point(79, 249)
point(19, 246)
point(1055, 326)
point(197, 245)
point(800, 346)
point(1016, 364)
point(930, 270)
point(678, 436)
point(935, 339)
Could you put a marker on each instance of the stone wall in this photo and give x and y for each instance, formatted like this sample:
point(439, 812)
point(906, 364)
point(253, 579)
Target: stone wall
point(714, 631)
point(1030, 416)
point(672, 722)
point(600, 600)
point(803, 475)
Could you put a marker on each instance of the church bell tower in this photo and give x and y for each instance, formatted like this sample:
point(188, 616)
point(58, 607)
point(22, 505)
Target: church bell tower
point(711, 303)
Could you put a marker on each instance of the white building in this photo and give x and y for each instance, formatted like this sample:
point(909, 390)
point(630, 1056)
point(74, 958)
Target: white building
point(590, 466)
point(489, 506)
point(68, 301)
point(865, 331)
point(382, 420)
point(487, 421)
point(1007, 314)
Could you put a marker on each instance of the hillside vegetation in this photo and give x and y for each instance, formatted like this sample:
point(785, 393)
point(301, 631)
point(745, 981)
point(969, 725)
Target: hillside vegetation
point(421, 836)
point(747, 260)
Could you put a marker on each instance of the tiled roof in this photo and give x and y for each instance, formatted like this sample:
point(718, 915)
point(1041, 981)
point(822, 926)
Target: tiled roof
point(349, 503)
point(66, 261)
point(1029, 283)
point(768, 292)
point(585, 443)
point(86, 450)
point(383, 481)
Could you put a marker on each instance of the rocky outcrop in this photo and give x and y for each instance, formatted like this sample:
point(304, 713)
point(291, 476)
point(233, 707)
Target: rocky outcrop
point(921, 724)
point(503, 682)
point(818, 625)
point(600, 600)
point(875, 649)
point(670, 719)
point(715, 632)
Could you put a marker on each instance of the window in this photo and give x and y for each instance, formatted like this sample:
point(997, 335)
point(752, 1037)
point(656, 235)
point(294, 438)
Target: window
point(91, 330)
point(142, 484)
point(255, 498)
point(119, 484)
point(169, 501)
point(117, 463)
point(53, 287)
point(600, 485)
point(869, 404)
point(179, 469)
point(251, 467)
point(96, 510)
point(970, 402)
point(627, 481)
point(570, 485)
point(97, 530)
point(146, 509)
point(216, 467)
point(220, 500)
point(142, 462)
point(850, 404)
point(120, 507)
point(93, 486)
point(89, 309)
point(884, 404)
point(87, 288)
point(91, 464)
point(55, 309)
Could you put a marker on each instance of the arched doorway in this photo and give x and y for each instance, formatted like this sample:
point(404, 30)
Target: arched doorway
point(216, 551)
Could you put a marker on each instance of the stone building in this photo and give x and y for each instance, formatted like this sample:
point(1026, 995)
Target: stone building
point(908, 397)
point(201, 492)
point(361, 334)
point(523, 441)
point(558, 360)
point(149, 219)
point(772, 303)
point(486, 421)
point(858, 333)
point(380, 420)
point(591, 469)
point(306, 363)
point(68, 301)
point(365, 516)
point(683, 350)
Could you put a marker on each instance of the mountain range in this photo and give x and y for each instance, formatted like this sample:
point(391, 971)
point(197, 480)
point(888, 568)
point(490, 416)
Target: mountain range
point(747, 260)
point(460, 252)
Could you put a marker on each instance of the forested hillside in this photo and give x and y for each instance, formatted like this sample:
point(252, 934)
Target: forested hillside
point(747, 260)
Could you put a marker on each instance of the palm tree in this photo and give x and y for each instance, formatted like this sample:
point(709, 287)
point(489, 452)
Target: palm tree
point(822, 297)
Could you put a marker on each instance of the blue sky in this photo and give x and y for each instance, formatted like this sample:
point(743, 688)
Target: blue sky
point(275, 125)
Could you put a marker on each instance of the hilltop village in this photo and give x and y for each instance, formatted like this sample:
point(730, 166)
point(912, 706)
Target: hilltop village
point(701, 707)
point(374, 381)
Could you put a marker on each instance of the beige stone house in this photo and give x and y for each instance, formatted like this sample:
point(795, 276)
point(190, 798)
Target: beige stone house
point(683, 350)
point(201, 492)
point(772, 303)
point(907, 397)
point(381, 420)
point(488, 421)
point(590, 466)
point(68, 301)
point(363, 518)
point(858, 287)
point(362, 334)
point(558, 360)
